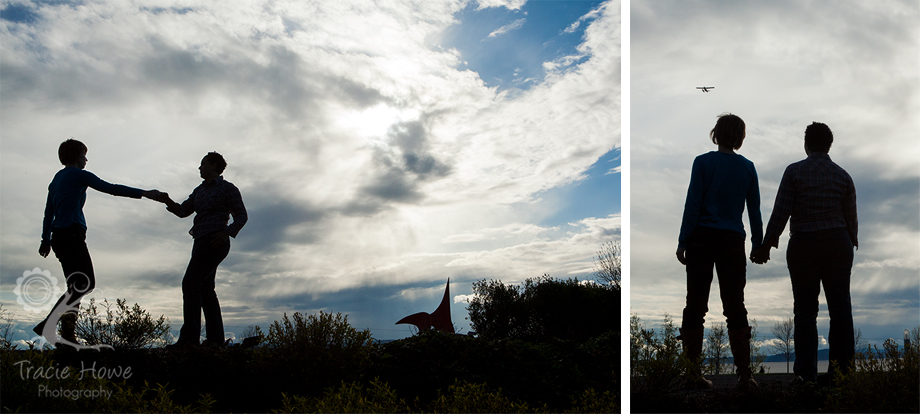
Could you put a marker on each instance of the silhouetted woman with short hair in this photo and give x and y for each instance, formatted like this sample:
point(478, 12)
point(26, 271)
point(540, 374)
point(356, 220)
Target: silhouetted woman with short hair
point(712, 235)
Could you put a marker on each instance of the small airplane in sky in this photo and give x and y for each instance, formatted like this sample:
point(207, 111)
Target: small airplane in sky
point(706, 88)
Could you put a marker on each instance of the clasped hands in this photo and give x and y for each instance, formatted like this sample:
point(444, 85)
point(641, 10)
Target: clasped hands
point(221, 237)
point(759, 255)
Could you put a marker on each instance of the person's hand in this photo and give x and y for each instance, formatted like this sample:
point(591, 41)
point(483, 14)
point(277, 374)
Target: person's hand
point(44, 249)
point(682, 255)
point(761, 255)
point(152, 194)
point(221, 237)
point(164, 198)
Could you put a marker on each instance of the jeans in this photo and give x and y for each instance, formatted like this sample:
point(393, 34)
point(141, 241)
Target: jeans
point(724, 249)
point(69, 246)
point(816, 258)
point(198, 292)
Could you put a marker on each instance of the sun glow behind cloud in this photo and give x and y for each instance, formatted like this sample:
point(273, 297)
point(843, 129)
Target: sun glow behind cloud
point(372, 163)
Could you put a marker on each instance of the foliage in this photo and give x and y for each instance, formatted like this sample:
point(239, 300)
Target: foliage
point(544, 308)
point(465, 397)
point(757, 357)
point(316, 333)
point(716, 349)
point(592, 401)
point(6, 329)
point(784, 331)
point(607, 267)
point(122, 327)
point(657, 357)
point(886, 380)
point(348, 398)
point(23, 391)
point(252, 331)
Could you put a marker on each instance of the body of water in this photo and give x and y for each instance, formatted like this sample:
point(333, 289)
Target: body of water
point(780, 367)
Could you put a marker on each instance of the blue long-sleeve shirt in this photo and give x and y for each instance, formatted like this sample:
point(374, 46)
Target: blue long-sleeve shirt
point(67, 195)
point(720, 184)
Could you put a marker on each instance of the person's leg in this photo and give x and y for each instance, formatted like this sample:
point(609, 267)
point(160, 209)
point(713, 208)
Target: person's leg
point(198, 290)
point(699, 281)
point(836, 281)
point(805, 289)
point(209, 303)
point(731, 266)
point(700, 262)
point(69, 246)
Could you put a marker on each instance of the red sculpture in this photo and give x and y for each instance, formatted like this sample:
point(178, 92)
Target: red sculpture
point(439, 319)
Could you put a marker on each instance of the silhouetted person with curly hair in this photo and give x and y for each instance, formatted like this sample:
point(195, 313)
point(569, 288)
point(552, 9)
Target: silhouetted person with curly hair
point(712, 235)
point(213, 202)
point(818, 198)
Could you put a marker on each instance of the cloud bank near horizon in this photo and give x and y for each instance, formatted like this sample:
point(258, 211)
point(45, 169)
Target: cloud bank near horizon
point(373, 162)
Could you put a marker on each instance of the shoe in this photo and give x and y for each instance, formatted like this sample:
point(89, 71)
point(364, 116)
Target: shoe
point(740, 342)
point(214, 344)
point(692, 342)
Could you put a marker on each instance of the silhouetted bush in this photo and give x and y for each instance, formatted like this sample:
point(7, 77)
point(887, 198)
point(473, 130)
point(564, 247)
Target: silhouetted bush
point(352, 397)
point(317, 333)
point(883, 381)
point(122, 327)
point(544, 308)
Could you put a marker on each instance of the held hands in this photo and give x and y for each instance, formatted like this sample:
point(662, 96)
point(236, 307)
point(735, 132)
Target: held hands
point(153, 194)
point(761, 255)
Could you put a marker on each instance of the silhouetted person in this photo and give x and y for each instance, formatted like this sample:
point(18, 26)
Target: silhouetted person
point(712, 234)
point(213, 202)
point(64, 232)
point(819, 199)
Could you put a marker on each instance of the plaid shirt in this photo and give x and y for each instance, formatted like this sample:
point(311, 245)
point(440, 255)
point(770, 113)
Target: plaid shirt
point(213, 204)
point(818, 194)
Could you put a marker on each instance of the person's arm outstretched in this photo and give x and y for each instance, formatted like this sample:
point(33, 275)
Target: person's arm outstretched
point(98, 184)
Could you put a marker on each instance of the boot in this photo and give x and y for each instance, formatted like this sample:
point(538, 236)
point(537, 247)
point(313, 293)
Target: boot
point(740, 341)
point(692, 340)
point(69, 327)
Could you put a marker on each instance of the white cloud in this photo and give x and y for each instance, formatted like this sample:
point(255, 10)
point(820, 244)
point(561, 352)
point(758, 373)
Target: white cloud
point(366, 157)
point(517, 24)
point(508, 4)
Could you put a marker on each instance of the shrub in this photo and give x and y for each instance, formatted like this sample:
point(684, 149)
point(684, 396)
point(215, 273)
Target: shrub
point(122, 327)
point(348, 398)
point(656, 357)
point(886, 380)
point(465, 397)
point(317, 333)
point(543, 309)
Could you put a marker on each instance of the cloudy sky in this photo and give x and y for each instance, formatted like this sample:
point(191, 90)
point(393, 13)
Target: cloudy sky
point(380, 147)
point(779, 65)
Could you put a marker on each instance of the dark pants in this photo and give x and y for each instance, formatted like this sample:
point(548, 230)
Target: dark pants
point(198, 292)
point(723, 249)
point(69, 246)
point(816, 258)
